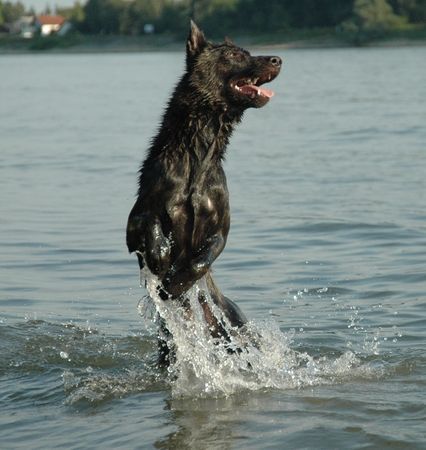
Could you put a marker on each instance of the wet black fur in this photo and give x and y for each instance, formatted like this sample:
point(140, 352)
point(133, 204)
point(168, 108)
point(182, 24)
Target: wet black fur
point(180, 221)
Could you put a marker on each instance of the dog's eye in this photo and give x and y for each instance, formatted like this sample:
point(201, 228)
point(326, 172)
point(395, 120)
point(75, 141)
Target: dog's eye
point(235, 55)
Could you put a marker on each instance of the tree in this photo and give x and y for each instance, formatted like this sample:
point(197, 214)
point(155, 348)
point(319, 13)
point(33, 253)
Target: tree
point(75, 14)
point(174, 18)
point(136, 14)
point(12, 11)
point(102, 16)
point(92, 16)
point(418, 13)
point(375, 15)
point(370, 18)
point(1, 14)
point(413, 10)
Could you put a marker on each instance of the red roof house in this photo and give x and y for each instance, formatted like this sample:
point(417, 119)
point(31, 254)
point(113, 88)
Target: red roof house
point(50, 24)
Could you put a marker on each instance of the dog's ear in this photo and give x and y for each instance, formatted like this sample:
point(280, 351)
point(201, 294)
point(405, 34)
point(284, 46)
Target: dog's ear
point(196, 41)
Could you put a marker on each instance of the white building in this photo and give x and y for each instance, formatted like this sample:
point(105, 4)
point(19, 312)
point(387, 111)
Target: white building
point(49, 24)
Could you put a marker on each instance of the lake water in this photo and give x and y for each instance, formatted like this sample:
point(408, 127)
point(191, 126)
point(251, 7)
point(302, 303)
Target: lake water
point(326, 256)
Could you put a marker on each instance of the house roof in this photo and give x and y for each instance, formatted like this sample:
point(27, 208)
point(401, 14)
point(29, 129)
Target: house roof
point(50, 20)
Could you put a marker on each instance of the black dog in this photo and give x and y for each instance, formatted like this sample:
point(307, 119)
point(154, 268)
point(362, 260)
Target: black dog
point(180, 221)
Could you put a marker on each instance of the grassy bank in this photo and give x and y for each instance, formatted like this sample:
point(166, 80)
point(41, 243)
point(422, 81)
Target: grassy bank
point(325, 37)
point(75, 42)
point(312, 38)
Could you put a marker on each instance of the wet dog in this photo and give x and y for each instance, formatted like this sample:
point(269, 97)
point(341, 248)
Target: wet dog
point(180, 221)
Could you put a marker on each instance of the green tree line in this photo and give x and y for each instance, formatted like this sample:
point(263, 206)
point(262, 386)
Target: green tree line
point(219, 17)
point(9, 11)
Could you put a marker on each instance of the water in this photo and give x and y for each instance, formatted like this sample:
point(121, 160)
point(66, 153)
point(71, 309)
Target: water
point(326, 256)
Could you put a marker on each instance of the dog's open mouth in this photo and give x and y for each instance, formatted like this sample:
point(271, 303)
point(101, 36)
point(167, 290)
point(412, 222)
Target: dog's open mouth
point(251, 87)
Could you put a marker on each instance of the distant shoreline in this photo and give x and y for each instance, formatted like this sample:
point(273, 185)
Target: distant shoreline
point(316, 39)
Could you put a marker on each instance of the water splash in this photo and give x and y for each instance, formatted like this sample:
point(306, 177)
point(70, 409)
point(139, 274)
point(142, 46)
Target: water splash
point(263, 357)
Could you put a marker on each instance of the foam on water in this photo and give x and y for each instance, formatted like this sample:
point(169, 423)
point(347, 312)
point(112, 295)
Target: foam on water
point(94, 367)
point(265, 359)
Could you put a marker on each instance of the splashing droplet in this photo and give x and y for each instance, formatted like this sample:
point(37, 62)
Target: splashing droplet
point(257, 356)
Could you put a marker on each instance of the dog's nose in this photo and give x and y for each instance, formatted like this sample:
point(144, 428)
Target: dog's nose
point(275, 61)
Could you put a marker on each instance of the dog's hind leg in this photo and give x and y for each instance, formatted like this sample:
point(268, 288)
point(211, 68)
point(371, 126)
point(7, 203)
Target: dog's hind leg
point(232, 312)
point(165, 353)
point(176, 282)
point(219, 324)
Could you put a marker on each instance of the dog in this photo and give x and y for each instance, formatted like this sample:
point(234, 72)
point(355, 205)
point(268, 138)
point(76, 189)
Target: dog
point(180, 221)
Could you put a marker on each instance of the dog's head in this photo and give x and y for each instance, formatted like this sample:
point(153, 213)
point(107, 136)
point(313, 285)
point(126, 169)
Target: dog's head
point(226, 75)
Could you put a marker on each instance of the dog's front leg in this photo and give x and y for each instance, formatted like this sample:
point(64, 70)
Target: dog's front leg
point(145, 236)
point(179, 280)
point(204, 259)
point(157, 249)
point(136, 229)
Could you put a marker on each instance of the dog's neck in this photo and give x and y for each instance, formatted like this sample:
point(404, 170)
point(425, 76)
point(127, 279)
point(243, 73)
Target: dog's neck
point(210, 131)
point(195, 127)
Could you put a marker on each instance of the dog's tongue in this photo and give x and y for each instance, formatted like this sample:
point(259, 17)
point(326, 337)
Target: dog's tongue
point(252, 89)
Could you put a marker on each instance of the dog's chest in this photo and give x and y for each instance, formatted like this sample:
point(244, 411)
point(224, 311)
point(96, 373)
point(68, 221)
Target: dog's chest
point(198, 204)
point(204, 204)
point(185, 207)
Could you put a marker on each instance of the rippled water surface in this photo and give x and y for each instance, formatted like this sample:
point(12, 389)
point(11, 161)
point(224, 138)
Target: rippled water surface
point(326, 255)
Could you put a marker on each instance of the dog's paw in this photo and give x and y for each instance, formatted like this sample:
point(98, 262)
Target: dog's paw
point(158, 249)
